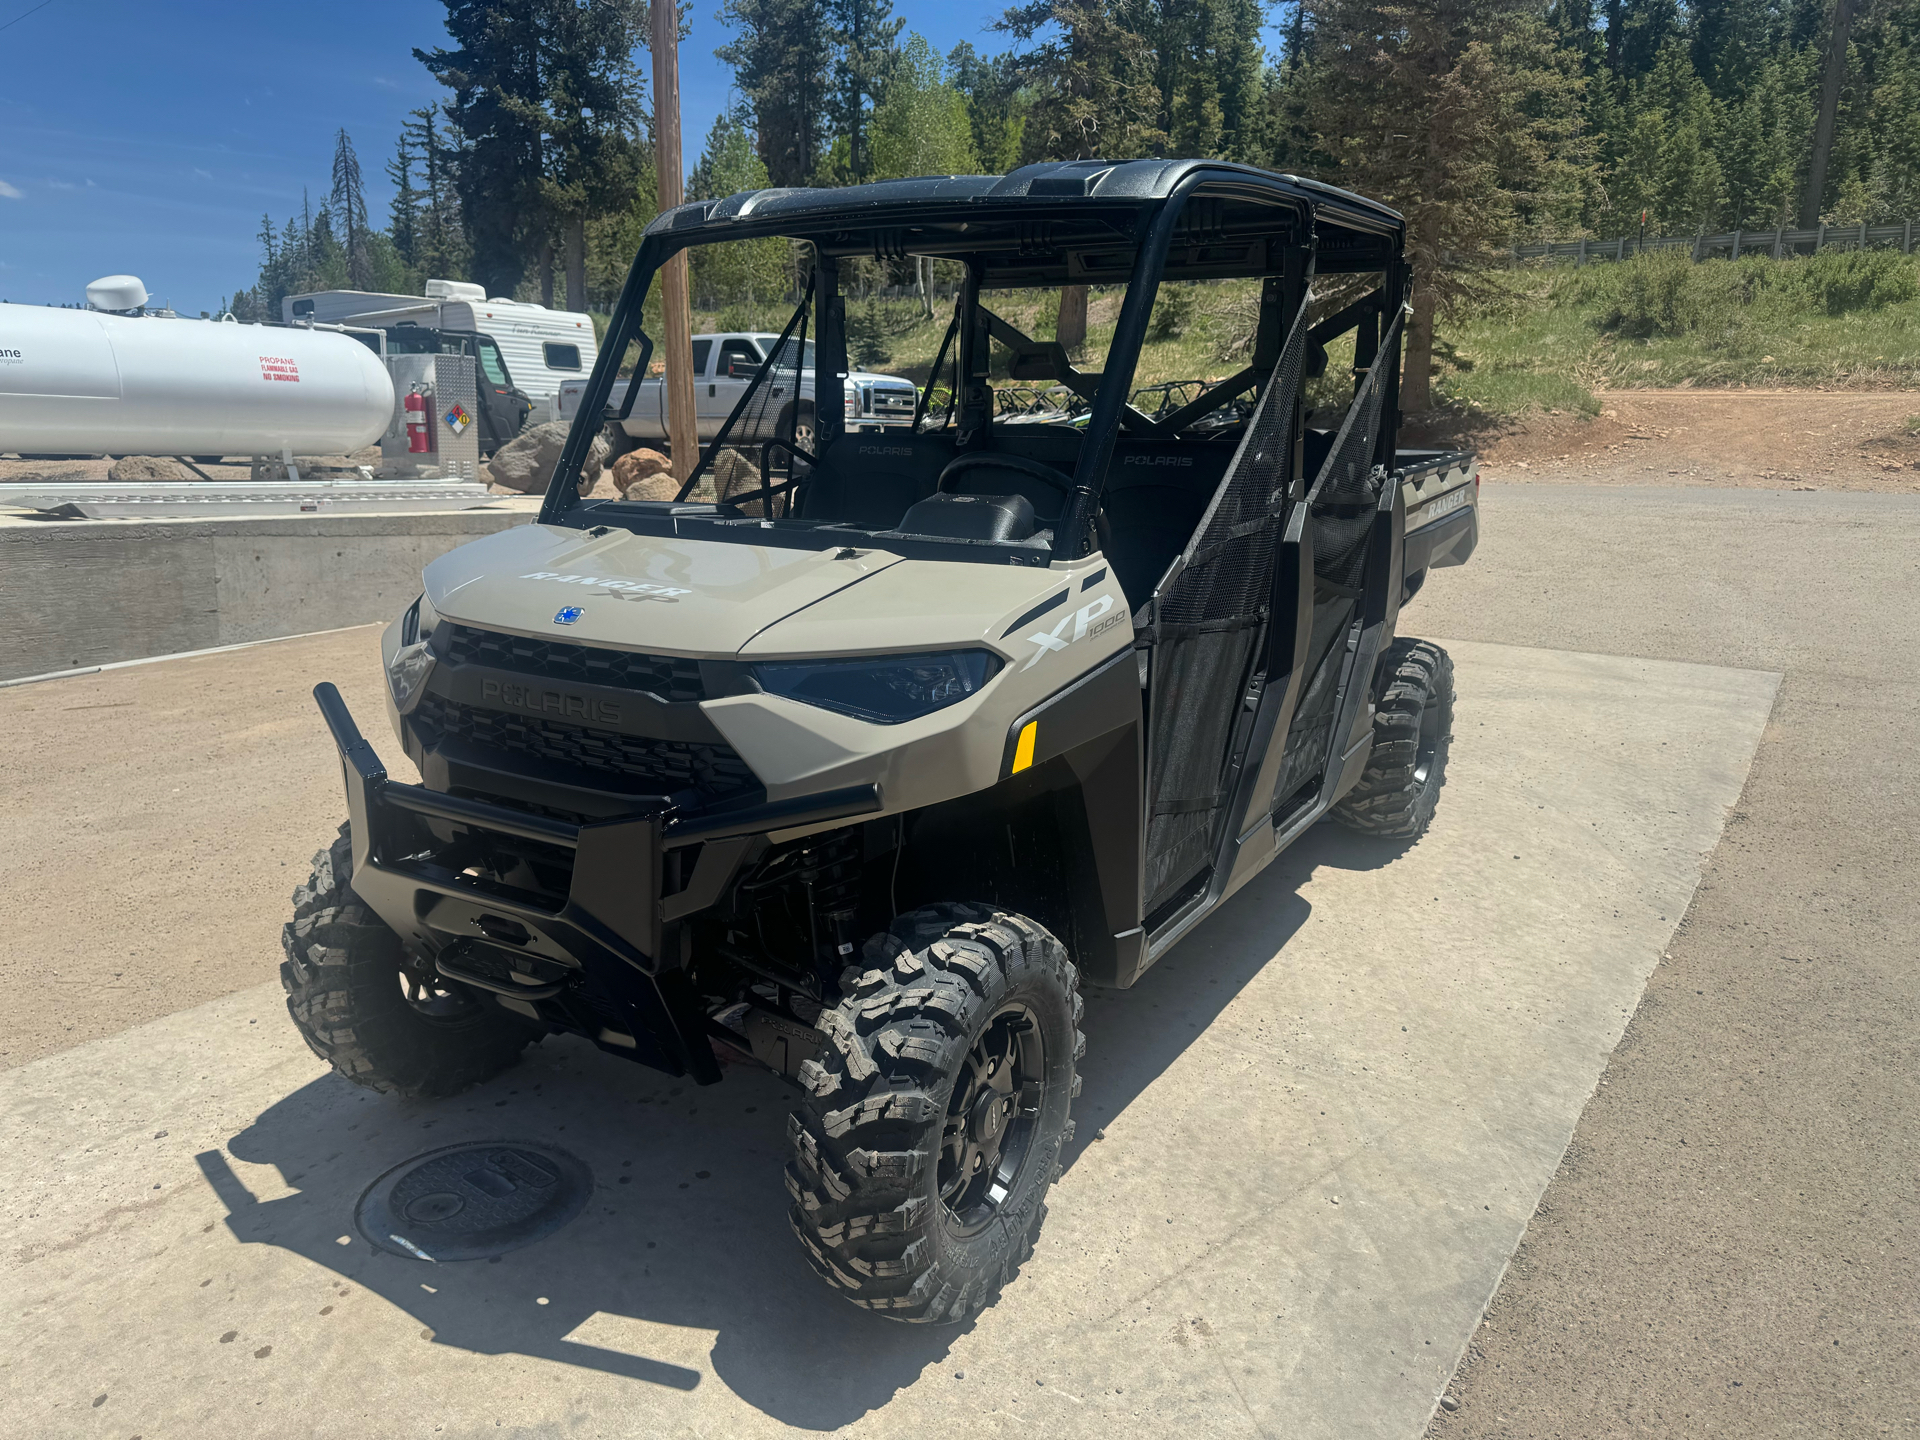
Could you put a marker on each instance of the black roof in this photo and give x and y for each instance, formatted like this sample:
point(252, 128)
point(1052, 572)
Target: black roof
point(1070, 185)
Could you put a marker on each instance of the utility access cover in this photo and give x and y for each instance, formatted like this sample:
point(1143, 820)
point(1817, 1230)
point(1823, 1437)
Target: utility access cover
point(466, 1203)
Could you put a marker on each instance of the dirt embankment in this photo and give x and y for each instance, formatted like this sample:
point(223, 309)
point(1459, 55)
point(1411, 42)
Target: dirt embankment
point(1766, 439)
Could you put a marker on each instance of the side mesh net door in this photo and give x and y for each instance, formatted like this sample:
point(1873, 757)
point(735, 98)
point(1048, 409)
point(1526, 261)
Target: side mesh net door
point(1341, 502)
point(1205, 621)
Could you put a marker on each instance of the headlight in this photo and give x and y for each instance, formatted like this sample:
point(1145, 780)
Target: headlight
point(884, 689)
point(850, 402)
point(407, 672)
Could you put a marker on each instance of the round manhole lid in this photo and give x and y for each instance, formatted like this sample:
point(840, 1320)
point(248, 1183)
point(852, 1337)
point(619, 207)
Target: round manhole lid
point(466, 1203)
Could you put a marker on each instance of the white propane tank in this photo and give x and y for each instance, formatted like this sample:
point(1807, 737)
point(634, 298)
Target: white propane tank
point(82, 383)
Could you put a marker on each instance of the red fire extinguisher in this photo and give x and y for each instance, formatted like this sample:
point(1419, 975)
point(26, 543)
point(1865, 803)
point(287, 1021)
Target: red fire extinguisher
point(420, 434)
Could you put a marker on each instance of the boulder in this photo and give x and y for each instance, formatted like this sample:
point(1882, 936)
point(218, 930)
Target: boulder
point(149, 467)
point(526, 463)
point(602, 489)
point(653, 487)
point(734, 475)
point(641, 465)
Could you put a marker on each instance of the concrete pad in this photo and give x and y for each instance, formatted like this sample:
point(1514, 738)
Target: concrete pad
point(1309, 1141)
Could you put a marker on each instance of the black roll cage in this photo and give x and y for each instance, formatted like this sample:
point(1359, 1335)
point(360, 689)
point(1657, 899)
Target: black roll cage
point(866, 220)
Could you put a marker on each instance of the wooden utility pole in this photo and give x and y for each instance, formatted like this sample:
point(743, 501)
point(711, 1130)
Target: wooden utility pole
point(678, 319)
point(1831, 79)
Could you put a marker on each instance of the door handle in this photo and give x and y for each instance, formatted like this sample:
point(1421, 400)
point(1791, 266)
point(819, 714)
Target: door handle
point(710, 392)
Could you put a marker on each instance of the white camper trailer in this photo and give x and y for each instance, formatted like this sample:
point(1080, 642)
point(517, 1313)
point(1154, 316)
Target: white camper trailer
point(543, 348)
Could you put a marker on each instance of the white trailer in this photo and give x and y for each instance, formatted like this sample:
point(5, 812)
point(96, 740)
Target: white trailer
point(543, 348)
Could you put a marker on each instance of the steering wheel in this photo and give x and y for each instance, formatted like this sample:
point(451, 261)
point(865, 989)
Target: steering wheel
point(1047, 475)
point(1058, 480)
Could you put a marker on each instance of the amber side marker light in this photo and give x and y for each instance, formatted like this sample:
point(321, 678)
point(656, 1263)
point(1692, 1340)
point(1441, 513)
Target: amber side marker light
point(1024, 747)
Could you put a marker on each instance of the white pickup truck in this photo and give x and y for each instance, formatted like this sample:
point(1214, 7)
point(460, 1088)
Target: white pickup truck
point(725, 365)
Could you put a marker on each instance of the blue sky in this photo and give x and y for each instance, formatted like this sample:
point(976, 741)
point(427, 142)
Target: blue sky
point(149, 139)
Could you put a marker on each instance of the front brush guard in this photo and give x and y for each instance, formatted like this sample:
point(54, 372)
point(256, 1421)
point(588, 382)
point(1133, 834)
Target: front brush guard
point(614, 925)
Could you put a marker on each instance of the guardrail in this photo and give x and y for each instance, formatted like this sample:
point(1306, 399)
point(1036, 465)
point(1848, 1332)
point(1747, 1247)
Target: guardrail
point(1778, 242)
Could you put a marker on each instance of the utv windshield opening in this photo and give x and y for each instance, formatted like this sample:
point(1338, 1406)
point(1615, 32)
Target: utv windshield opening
point(1086, 349)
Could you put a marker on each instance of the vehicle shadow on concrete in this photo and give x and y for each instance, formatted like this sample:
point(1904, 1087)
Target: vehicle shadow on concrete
point(709, 1253)
point(686, 1227)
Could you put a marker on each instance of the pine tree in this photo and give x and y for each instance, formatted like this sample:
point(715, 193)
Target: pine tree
point(781, 52)
point(590, 104)
point(403, 214)
point(1894, 120)
point(864, 34)
point(1687, 189)
point(440, 243)
point(497, 115)
point(1646, 27)
point(349, 206)
point(1464, 115)
point(1730, 42)
point(1092, 78)
point(996, 105)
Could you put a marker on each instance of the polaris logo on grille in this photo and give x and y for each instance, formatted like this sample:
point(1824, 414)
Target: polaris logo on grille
point(549, 702)
point(884, 449)
point(1157, 460)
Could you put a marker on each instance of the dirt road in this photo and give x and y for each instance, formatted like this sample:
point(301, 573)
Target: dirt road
point(1753, 439)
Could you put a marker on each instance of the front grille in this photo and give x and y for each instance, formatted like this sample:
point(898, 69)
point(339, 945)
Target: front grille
point(671, 678)
point(664, 766)
point(894, 402)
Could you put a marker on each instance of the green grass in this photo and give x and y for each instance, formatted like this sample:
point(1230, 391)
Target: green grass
point(1550, 336)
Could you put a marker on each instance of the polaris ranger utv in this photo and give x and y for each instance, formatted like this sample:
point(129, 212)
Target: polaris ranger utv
point(862, 775)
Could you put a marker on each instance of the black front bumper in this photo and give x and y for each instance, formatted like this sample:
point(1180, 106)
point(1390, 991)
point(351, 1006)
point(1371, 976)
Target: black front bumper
point(608, 961)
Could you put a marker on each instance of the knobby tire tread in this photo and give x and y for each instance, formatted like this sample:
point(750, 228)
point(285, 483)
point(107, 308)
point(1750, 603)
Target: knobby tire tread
point(865, 1142)
point(341, 975)
point(1389, 801)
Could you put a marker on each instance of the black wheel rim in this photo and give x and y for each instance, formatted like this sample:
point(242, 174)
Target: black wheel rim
point(1429, 745)
point(993, 1115)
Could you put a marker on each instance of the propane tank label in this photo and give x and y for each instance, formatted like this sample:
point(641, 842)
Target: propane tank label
point(9, 356)
point(458, 419)
point(279, 367)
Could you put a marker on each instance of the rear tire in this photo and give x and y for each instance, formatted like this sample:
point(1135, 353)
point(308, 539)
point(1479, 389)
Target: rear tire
point(378, 1015)
point(1413, 723)
point(937, 1112)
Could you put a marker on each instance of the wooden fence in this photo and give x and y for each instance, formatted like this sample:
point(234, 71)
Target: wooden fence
point(1733, 244)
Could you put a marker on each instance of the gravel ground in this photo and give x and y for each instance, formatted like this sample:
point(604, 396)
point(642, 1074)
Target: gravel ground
point(1729, 1247)
point(100, 948)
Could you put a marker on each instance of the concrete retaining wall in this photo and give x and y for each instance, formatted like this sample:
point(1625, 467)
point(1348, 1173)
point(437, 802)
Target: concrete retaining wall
point(80, 593)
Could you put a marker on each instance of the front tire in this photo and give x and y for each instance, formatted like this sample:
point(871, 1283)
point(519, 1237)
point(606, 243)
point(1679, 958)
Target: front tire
point(1413, 723)
point(378, 1015)
point(937, 1113)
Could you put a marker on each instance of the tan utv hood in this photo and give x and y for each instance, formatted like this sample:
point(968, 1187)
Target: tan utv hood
point(656, 594)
